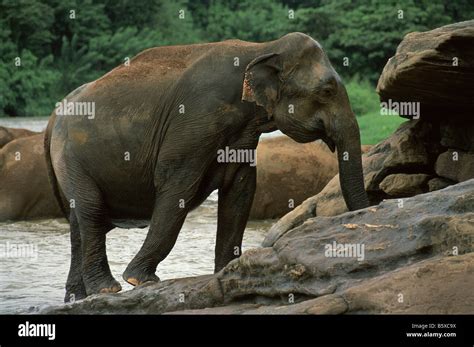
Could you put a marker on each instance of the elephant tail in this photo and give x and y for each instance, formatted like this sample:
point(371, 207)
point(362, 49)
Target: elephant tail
point(60, 198)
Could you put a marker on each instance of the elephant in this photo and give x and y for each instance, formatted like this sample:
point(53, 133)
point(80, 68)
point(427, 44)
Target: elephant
point(288, 173)
point(149, 148)
point(25, 192)
point(10, 134)
point(285, 177)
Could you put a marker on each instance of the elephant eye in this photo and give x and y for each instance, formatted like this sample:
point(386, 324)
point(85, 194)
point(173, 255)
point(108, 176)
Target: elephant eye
point(324, 94)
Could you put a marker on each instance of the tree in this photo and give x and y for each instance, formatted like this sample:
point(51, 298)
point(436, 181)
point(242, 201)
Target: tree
point(247, 20)
point(65, 43)
point(29, 25)
point(365, 34)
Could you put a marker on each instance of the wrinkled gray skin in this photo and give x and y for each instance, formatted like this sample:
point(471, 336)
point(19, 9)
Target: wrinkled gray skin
point(172, 164)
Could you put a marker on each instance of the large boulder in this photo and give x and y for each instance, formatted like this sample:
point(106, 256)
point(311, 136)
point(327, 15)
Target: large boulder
point(364, 261)
point(434, 68)
point(288, 173)
point(25, 192)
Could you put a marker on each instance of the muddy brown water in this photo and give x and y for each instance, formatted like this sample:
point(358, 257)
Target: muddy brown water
point(34, 255)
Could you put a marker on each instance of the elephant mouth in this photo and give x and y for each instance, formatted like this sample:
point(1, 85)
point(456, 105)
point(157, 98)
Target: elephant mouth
point(304, 133)
point(303, 137)
point(267, 127)
point(329, 142)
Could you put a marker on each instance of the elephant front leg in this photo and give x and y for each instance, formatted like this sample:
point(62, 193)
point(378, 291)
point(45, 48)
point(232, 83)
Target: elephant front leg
point(166, 222)
point(235, 201)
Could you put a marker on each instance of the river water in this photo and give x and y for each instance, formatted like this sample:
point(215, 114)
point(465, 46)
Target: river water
point(34, 255)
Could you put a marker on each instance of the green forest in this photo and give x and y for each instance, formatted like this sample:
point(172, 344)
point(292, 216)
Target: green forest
point(50, 47)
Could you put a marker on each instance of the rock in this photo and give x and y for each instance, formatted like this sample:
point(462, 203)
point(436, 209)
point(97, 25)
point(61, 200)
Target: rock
point(435, 68)
point(455, 165)
point(10, 134)
point(403, 185)
point(459, 135)
point(25, 192)
point(436, 286)
point(443, 286)
point(296, 217)
point(391, 248)
point(438, 183)
point(411, 149)
point(289, 172)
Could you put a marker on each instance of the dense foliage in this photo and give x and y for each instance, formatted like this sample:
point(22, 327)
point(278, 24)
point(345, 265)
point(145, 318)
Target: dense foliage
point(50, 47)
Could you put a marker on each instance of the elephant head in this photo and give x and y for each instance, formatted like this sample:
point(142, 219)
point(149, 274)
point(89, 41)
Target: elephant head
point(303, 94)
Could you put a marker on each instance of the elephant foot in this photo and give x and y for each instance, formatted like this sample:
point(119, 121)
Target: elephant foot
point(113, 288)
point(74, 295)
point(106, 286)
point(136, 278)
point(75, 289)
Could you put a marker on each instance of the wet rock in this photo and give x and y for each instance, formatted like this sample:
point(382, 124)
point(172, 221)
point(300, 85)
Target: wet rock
point(385, 249)
point(455, 165)
point(435, 68)
point(403, 185)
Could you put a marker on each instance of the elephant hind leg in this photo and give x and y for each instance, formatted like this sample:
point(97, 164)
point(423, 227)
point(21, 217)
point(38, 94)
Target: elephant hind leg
point(92, 219)
point(75, 289)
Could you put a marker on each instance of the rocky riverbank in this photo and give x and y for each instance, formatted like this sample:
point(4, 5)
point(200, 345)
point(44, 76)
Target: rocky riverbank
point(417, 258)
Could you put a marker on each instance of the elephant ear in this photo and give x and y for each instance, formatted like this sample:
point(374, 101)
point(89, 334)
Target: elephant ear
point(261, 82)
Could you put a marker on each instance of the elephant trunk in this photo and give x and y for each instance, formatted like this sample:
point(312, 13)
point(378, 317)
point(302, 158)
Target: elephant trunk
point(349, 155)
